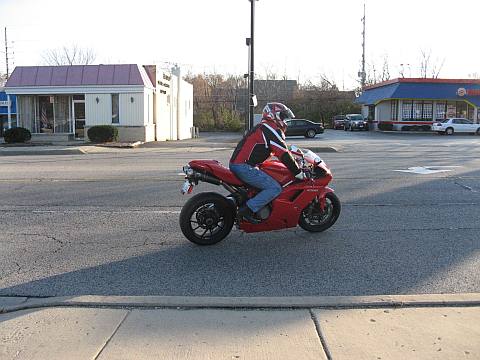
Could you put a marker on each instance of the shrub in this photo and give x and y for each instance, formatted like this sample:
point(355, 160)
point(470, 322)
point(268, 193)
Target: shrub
point(103, 133)
point(232, 121)
point(204, 121)
point(17, 135)
point(385, 126)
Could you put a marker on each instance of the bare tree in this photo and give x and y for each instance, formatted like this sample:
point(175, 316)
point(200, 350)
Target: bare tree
point(429, 67)
point(3, 79)
point(385, 70)
point(72, 55)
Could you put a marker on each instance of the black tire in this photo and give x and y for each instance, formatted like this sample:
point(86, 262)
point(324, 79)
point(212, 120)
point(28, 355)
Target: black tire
point(449, 131)
point(477, 132)
point(210, 212)
point(327, 219)
point(310, 133)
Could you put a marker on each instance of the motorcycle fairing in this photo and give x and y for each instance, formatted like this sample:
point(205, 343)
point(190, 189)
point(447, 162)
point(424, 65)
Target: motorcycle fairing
point(286, 208)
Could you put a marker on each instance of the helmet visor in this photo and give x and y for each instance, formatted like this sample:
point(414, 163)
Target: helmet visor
point(290, 114)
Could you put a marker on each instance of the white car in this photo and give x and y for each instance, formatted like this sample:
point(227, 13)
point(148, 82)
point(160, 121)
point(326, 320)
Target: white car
point(455, 125)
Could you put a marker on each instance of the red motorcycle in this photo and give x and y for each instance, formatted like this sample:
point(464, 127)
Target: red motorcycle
point(208, 217)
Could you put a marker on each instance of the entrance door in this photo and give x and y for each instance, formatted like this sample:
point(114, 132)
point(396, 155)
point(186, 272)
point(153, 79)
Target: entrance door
point(79, 118)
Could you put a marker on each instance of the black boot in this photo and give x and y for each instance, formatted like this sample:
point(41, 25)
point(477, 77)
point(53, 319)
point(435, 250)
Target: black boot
point(247, 214)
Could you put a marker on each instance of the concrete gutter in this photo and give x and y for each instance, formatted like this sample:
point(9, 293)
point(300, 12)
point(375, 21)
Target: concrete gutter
point(9, 304)
point(122, 145)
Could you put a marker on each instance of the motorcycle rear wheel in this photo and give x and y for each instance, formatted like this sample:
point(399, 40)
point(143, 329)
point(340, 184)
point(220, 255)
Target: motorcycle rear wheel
point(207, 218)
point(313, 219)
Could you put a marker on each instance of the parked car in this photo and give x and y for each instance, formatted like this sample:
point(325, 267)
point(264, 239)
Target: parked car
point(303, 127)
point(456, 125)
point(355, 122)
point(338, 122)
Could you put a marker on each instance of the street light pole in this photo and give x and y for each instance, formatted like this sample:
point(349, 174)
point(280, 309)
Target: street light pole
point(251, 77)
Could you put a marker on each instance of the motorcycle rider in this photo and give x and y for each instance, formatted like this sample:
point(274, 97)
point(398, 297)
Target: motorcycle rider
point(265, 139)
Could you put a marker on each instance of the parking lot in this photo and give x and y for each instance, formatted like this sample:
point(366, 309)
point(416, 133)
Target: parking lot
point(107, 223)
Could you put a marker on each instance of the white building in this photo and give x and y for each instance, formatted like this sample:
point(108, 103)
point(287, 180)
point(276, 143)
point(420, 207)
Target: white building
point(63, 102)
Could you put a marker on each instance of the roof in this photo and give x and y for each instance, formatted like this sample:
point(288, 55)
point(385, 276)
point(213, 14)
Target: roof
point(78, 75)
point(427, 89)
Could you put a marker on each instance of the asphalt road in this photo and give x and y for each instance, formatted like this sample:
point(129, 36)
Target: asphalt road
point(108, 224)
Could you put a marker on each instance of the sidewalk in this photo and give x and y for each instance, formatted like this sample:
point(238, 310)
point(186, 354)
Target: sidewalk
point(372, 327)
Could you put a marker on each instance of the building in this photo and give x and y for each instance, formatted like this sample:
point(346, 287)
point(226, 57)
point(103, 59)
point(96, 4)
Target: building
point(145, 103)
point(407, 103)
point(275, 90)
point(8, 111)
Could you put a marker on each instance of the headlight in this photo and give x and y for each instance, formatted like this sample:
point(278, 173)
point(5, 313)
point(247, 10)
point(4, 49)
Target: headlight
point(187, 170)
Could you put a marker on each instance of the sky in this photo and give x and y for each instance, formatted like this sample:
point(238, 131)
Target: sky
point(304, 39)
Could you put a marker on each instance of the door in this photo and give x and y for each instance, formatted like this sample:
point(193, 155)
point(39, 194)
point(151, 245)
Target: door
point(79, 118)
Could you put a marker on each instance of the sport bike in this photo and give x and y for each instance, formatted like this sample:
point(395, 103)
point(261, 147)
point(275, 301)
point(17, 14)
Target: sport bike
point(208, 217)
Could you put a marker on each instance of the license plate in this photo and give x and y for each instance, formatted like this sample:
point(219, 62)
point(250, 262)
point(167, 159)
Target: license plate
point(187, 187)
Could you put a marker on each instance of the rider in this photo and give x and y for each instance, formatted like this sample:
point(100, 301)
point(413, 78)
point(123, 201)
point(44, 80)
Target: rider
point(265, 139)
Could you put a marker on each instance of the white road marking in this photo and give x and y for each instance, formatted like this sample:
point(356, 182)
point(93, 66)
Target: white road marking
point(426, 170)
point(104, 211)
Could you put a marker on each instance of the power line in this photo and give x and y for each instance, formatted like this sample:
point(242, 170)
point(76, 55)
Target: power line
point(362, 74)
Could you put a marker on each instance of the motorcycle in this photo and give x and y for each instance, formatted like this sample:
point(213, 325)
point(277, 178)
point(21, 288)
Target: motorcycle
point(208, 217)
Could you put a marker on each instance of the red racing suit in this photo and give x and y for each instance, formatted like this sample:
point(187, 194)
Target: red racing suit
point(261, 142)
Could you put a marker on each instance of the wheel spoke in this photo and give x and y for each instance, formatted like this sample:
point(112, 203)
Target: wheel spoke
point(204, 233)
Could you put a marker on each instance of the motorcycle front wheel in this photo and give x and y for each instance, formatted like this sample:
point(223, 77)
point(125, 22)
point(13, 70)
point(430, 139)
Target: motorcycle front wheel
point(313, 219)
point(206, 218)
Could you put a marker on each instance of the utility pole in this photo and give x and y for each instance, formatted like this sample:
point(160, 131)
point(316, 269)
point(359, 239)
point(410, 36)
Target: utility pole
point(362, 74)
point(6, 51)
point(251, 78)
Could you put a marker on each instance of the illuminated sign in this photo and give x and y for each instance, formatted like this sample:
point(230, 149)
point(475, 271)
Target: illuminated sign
point(469, 92)
point(473, 92)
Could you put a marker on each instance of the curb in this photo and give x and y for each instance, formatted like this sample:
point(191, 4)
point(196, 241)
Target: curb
point(75, 151)
point(11, 304)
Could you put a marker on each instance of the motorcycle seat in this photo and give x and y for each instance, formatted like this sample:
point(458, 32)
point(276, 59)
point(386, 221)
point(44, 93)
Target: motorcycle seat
point(218, 170)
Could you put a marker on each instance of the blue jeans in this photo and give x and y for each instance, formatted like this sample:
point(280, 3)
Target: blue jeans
point(269, 187)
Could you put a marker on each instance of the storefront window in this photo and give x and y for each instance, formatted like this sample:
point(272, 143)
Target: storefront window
point(427, 112)
point(417, 110)
point(462, 109)
point(441, 110)
point(471, 113)
point(451, 109)
point(394, 110)
point(45, 114)
point(45, 123)
point(407, 110)
point(26, 112)
point(62, 114)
